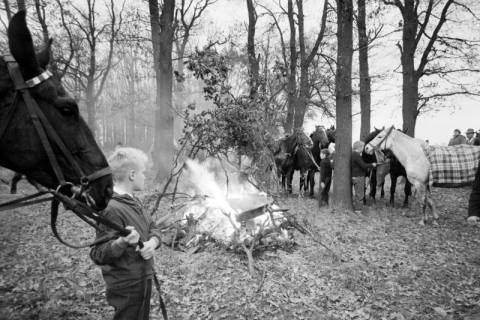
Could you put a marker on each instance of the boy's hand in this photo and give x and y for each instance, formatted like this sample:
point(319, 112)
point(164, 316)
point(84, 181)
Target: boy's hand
point(148, 248)
point(374, 164)
point(132, 238)
point(322, 185)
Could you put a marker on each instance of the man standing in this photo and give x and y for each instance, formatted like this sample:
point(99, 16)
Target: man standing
point(457, 138)
point(471, 139)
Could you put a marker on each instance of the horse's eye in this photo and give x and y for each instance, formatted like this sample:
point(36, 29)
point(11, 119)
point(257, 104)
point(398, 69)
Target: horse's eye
point(67, 107)
point(67, 111)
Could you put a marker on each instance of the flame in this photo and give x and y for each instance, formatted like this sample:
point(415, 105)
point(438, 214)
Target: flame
point(228, 193)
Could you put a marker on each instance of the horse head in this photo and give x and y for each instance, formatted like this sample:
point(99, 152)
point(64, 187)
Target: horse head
point(319, 137)
point(21, 147)
point(380, 140)
point(331, 134)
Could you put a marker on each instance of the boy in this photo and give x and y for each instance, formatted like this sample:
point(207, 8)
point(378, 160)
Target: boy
point(325, 176)
point(359, 170)
point(127, 269)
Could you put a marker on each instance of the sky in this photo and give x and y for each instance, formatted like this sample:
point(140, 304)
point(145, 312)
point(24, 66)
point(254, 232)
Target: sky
point(436, 126)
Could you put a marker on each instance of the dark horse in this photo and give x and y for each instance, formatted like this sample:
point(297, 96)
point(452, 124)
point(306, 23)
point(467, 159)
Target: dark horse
point(321, 138)
point(396, 170)
point(388, 165)
point(290, 155)
point(21, 147)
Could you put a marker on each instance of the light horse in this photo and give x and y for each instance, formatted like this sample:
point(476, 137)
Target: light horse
point(42, 134)
point(412, 154)
point(386, 164)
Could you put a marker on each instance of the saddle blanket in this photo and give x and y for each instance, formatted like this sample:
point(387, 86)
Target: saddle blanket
point(453, 166)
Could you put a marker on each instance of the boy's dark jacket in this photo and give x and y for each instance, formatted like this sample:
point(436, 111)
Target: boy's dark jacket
point(122, 266)
point(359, 166)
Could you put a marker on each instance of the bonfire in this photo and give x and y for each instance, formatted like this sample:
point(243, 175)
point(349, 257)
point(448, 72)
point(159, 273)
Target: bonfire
point(223, 205)
point(227, 207)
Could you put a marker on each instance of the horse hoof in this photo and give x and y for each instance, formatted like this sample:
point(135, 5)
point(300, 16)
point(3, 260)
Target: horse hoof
point(422, 222)
point(435, 223)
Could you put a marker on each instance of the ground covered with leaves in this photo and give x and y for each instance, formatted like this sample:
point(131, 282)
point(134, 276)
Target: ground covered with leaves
point(390, 268)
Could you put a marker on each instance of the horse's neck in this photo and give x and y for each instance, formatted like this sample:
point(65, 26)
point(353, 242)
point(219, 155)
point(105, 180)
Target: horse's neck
point(405, 148)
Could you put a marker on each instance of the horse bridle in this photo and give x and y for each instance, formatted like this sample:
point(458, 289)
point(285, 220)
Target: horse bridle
point(46, 131)
point(384, 140)
point(66, 192)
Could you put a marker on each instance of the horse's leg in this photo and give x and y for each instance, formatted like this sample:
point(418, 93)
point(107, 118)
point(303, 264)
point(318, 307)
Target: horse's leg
point(421, 197)
point(431, 205)
point(289, 176)
point(382, 190)
point(13, 184)
point(393, 186)
point(310, 181)
point(407, 191)
point(303, 184)
point(373, 183)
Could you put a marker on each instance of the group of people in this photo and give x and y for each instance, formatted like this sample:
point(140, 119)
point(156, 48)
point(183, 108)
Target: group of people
point(471, 137)
point(360, 168)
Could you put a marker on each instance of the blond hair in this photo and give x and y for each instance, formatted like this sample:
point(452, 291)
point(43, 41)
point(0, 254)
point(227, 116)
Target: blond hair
point(125, 159)
point(358, 146)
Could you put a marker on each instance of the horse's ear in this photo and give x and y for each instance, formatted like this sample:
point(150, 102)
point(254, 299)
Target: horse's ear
point(43, 57)
point(21, 45)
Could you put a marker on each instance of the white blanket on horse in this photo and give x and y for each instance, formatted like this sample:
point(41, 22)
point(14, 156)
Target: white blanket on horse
point(453, 166)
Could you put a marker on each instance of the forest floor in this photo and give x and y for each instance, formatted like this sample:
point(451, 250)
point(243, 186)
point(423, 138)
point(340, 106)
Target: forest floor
point(391, 268)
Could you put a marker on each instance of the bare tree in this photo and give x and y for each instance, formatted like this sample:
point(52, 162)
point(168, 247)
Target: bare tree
point(162, 40)
point(292, 71)
point(21, 5)
point(6, 3)
point(342, 189)
point(305, 62)
point(188, 15)
point(365, 87)
point(422, 37)
point(91, 78)
point(253, 60)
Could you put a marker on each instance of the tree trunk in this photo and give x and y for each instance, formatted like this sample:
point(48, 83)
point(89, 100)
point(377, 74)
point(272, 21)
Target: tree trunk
point(365, 90)
point(162, 40)
point(301, 105)
point(292, 82)
point(7, 9)
point(252, 58)
point(342, 186)
point(90, 101)
point(21, 5)
point(410, 81)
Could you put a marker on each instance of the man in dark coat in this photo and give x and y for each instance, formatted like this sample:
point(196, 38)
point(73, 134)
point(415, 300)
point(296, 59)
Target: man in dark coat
point(457, 138)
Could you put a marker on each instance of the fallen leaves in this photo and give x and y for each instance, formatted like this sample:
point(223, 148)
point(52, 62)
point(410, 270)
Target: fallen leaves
point(393, 269)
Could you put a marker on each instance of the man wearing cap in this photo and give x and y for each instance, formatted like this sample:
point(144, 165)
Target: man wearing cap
point(457, 138)
point(471, 139)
